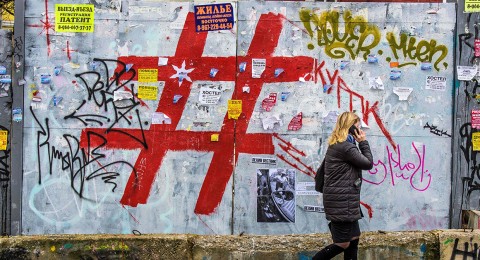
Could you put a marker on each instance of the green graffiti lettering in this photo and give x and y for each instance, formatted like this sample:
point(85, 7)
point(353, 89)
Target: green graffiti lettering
point(423, 51)
point(357, 37)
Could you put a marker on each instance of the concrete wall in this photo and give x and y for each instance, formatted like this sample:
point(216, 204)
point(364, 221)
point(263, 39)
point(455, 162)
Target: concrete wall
point(437, 244)
point(95, 165)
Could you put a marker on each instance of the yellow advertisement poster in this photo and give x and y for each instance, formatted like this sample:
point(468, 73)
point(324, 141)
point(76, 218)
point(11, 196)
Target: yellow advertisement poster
point(74, 17)
point(147, 92)
point(234, 109)
point(476, 141)
point(147, 75)
point(3, 140)
point(472, 6)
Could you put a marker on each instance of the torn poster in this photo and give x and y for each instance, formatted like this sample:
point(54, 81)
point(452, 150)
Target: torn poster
point(475, 119)
point(148, 92)
point(159, 118)
point(162, 61)
point(270, 121)
point(269, 102)
point(466, 72)
point(3, 140)
point(209, 94)
point(375, 83)
point(436, 83)
point(121, 95)
point(272, 161)
point(296, 123)
point(258, 67)
point(402, 93)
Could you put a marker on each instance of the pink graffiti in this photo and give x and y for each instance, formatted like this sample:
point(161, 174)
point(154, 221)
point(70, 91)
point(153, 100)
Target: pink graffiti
point(412, 171)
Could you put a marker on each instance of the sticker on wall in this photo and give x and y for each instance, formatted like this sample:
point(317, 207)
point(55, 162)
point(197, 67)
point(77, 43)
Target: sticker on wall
point(436, 83)
point(466, 72)
point(5, 79)
point(93, 65)
point(276, 195)
point(242, 66)
point(128, 67)
point(234, 108)
point(162, 61)
point(395, 74)
point(176, 98)
point(296, 123)
point(214, 17)
point(36, 96)
point(56, 100)
point(3, 93)
point(148, 75)
point(270, 121)
point(477, 46)
point(258, 67)
point(3, 140)
point(3, 70)
point(475, 119)
point(426, 66)
point(213, 72)
point(376, 83)
point(159, 118)
point(57, 70)
point(344, 64)
point(277, 72)
point(371, 58)
point(246, 89)
point(258, 160)
point(326, 87)
point(476, 141)
point(284, 96)
point(17, 115)
point(312, 208)
point(45, 79)
point(394, 64)
point(74, 17)
point(214, 137)
point(148, 92)
point(306, 189)
point(269, 102)
point(402, 93)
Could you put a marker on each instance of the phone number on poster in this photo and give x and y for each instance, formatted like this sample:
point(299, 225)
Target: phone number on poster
point(213, 27)
point(75, 27)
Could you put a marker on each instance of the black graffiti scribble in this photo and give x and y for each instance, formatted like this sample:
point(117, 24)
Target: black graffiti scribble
point(471, 183)
point(434, 130)
point(101, 93)
point(83, 164)
point(466, 253)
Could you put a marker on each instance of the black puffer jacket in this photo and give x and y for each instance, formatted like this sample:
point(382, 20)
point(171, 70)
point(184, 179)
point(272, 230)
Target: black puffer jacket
point(343, 166)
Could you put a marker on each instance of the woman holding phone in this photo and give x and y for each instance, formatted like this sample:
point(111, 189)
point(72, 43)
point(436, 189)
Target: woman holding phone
point(344, 162)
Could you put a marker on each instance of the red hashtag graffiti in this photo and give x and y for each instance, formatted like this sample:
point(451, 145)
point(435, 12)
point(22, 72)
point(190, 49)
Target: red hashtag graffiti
point(166, 137)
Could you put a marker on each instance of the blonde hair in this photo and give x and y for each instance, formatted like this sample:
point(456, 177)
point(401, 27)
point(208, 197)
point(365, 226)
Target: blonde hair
point(344, 122)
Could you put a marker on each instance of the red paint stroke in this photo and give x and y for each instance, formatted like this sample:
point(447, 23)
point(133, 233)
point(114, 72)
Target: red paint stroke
point(134, 219)
point(369, 208)
point(46, 27)
point(166, 137)
point(68, 51)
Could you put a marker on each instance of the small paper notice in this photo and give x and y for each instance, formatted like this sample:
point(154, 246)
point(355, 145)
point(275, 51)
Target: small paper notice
point(258, 67)
point(476, 141)
point(147, 92)
point(375, 83)
point(209, 94)
point(159, 118)
point(234, 109)
point(436, 83)
point(466, 72)
point(402, 93)
point(147, 75)
point(270, 121)
point(162, 61)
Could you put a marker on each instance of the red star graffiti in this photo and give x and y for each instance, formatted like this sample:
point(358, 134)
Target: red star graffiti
point(166, 137)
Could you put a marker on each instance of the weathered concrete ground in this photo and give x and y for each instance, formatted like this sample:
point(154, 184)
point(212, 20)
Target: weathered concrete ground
point(438, 244)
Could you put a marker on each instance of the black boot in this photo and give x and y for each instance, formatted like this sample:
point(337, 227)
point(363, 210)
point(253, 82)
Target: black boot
point(328, 252)
point(351, 251)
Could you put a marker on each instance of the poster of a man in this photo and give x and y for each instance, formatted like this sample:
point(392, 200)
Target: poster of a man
point(275, 195)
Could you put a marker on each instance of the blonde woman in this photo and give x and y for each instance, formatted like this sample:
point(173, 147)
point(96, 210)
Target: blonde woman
point(344, 162)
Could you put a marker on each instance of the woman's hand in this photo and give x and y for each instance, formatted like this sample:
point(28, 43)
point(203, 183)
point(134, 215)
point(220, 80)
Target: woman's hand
point(360, 135)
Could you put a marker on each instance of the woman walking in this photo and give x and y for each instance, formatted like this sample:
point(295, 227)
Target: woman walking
point(344, 163)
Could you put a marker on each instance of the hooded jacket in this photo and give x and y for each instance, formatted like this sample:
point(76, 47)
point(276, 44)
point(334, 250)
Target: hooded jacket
point(343, 168)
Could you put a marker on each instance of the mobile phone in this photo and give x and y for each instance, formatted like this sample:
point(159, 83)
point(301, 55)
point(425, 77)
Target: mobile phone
point(353, 130)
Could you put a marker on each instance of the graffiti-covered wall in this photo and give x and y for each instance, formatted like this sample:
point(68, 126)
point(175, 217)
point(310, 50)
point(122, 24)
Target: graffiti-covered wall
point(171, 117)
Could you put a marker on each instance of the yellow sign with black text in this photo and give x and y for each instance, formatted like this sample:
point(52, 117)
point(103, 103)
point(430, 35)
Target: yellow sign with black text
point(74, 17)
